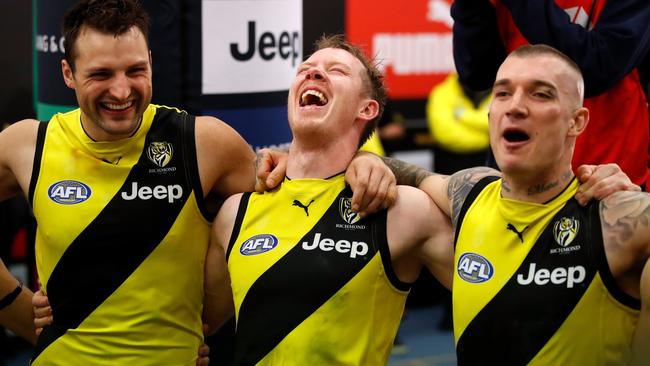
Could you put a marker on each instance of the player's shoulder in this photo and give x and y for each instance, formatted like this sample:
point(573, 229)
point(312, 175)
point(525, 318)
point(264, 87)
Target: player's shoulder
point(21, 133)
point(414, 206)
point(24, 127)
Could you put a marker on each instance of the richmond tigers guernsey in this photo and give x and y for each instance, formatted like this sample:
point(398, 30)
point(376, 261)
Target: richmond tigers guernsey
point(121, 242)
point(312, 282)
point(532, 285)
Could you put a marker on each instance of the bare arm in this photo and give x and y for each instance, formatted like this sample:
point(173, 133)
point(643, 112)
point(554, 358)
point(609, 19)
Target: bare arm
point(625, 218)
point(17, 146)
point(428, 241)
point(18, 315)
point(218, 303)
point(437, 251)
point(448, 192)
point(640, 349)
point(226, 162)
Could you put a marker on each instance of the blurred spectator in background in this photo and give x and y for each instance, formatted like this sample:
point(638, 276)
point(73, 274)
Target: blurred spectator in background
point(458, 120)
point(607, 39)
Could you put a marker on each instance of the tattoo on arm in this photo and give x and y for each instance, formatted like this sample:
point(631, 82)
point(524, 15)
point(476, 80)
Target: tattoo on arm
point(625, 217)
point(460, 184)
point(405, 173)
point(258, 158)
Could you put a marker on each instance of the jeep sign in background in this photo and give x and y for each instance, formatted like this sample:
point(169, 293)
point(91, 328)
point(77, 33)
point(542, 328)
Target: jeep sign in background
point(250, 51)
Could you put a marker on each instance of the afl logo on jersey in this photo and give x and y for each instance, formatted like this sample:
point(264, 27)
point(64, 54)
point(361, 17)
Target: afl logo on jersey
point(68, 192)
point(565, 231)
point(345, 209)
point(474, 268)
point(258, 244)
point(160, 153)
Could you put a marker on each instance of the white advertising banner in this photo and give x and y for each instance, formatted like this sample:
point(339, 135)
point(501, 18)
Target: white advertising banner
point(250, 46)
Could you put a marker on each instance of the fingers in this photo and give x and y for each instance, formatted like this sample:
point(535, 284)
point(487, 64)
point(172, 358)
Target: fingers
point(39, 299)
point(264, 166)
point(584, 172)
point(601, 181)
point(373, 184)
point(377, 192)
point(204, 353)
point(271, 169)
point(358, 181)
point(42, 311)
point(260, 183)
point(279, 171)
point(41, 322)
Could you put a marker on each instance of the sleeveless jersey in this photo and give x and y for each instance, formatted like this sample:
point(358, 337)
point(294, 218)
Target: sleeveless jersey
point(121, 242)
point(312, 282)
point(532, 284)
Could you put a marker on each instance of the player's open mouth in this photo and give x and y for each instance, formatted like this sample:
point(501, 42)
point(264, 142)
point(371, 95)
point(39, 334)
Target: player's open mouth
point(115, 107)
point(312, 97)
point(515, 135)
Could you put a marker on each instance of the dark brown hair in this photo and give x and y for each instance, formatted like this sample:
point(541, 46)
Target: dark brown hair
point(374, 83)
point(114, 17)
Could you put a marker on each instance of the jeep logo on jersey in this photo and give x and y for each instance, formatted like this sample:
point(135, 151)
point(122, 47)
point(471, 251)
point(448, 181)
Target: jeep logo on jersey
point(258, 244)
point(160, 153)
point(345, 209)
point(474, 268)
point(68, 192)
point(565, 230)
point(169, 192)
point(558, 276)
point(355, 248)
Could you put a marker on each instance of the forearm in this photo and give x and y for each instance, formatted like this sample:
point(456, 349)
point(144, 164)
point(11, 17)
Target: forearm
point(18, 316)
point(217, 301)
point(477, 46)
point(405, 173)
point(218, 307)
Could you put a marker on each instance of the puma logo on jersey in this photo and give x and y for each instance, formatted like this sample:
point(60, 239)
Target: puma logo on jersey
point(169, 192)
point(355, 248)
point(520, 234)
point(299, 204)
point(558, 276)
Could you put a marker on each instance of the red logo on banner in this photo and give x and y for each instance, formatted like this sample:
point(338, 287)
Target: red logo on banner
point(412, 40)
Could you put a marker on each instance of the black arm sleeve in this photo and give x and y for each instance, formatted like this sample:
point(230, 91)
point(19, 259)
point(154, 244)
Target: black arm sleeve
point(478, 49)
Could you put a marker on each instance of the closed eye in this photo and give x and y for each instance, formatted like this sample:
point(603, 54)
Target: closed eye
point(137, 70)
point(338, 71)
point(99, 75)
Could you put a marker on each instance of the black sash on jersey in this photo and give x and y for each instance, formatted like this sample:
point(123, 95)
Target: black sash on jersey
point(299, 283)
point(471, 196)
point(520, 319)
point(124, 233)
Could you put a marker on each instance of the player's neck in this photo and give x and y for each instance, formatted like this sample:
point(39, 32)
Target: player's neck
point(538, 188)
point(323, 161)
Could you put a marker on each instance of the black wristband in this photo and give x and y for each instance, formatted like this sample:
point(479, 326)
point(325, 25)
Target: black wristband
point(10, 297)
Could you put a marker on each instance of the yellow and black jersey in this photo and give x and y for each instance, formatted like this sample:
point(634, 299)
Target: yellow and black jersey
point(532, 284)
point(121, 242)
point(312, 282)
